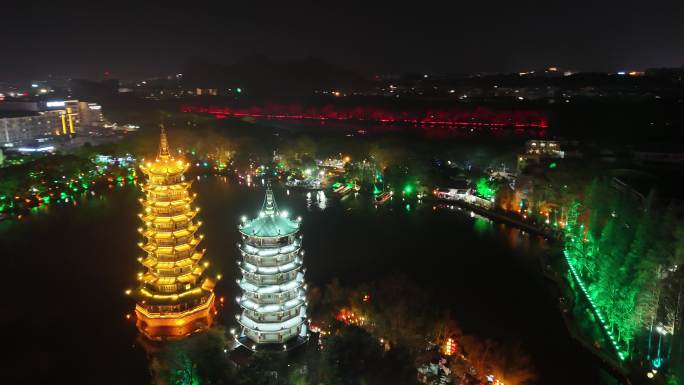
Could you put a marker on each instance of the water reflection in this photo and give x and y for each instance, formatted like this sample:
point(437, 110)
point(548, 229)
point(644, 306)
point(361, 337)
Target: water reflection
point(317, 199)
point(482, 225)
point(322, 200)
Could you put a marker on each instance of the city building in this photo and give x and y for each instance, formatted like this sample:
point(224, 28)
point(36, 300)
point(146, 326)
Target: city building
point(22, 121)
point(19, 126)
point(539, 151)
point(75, 113)
point(273, 299)
point(547, 148)
point(206, 91)
point(174, 298)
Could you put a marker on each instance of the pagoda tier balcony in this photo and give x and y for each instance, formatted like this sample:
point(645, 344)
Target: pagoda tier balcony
point(182, 186)
point(285, 340)
point(182, 250)
point(249, 286)
point(171, 226)
point(179, 233)
point(168, 211)
point(281, 259)
point(182, 202)
point(280, 316)
point(273, 298)
point(171, 239)
point(168, 195)
point(276, 279)
point(159, 172)
point(167, 269)
point(170, 325)
point(265, 327)
point(180, 220)
point(167, 284)
point(260, 251)
point(252, 339)
point(171, 242)
point(171, 211)
point(246, 267)
point(278, 309)
point(152, 261)
point(271, 242)
point(165, 207)
point(168, 171)
point(166, 254)
point(166, 279)
point(188, 302)
point(149, 296)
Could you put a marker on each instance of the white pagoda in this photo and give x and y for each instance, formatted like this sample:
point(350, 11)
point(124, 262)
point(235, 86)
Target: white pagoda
point(273, 297)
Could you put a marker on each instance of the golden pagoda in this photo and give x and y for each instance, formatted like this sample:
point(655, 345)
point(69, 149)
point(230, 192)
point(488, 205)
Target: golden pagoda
point(174, 300)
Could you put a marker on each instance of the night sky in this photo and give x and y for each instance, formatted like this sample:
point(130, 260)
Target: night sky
point(70, 39)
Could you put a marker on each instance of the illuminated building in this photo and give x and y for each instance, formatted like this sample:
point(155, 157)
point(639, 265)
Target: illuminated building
point(450, 347)
point(173, 299)
point(273, 297)
point(23, 126)
point(539, 151)
point(25, 121)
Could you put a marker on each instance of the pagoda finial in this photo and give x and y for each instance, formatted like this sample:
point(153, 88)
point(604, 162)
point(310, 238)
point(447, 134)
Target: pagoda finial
point(163, 144)
point(270, 207)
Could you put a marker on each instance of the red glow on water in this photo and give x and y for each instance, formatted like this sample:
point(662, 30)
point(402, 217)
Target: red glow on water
point(452, 117)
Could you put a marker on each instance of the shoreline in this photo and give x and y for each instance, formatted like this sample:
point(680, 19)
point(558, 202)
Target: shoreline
point(560, 286)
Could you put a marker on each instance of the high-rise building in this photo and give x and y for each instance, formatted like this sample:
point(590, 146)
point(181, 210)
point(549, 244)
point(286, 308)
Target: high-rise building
point(23, 121)
point(174, 298)
point(18, 127)
point(273, 299)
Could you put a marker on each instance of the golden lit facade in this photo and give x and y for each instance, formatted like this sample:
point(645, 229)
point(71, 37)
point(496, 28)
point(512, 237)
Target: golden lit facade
point(174, 298)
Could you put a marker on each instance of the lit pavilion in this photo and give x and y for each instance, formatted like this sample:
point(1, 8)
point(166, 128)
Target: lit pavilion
point(174, 300)
point(273, 297)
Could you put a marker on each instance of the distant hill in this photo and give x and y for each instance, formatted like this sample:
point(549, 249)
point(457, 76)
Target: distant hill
point(260, 75)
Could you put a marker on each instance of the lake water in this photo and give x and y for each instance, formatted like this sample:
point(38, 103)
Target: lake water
point(67, 270)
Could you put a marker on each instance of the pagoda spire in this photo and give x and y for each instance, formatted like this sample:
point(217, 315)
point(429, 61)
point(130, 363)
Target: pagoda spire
point(163, 144)
point(270, 207)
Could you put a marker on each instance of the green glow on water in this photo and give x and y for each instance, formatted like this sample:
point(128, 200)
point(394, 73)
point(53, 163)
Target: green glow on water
point(482, 225)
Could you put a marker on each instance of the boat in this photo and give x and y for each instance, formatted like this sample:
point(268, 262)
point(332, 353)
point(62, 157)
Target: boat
point(342, 190)
point(382, 198)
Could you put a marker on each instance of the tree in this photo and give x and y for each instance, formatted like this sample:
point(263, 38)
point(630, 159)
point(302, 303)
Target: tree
point(350, 355)
point(512, 366)
point(193, 360)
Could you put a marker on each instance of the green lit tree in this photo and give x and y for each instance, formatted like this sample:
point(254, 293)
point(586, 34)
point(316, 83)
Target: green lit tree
point(484, 188)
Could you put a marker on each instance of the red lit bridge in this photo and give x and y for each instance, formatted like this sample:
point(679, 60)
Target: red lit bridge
point(447, 117)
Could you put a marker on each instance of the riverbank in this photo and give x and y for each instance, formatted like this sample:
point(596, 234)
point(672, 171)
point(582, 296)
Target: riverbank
point(501, 217)
point(554, 267)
